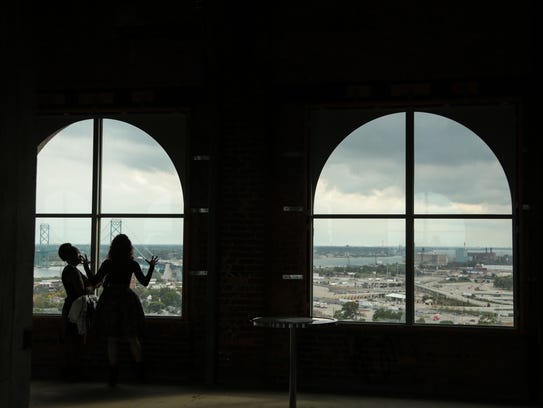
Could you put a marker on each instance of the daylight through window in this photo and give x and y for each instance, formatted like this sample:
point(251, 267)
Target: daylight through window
point(413, 225)
point(95, 179)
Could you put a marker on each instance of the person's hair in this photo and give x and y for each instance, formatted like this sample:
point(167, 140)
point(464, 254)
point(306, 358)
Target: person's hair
point(66, 251)
point(121, 248)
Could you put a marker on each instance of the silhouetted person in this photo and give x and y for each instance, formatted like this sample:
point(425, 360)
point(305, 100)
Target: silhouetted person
point(76, 285)
point(119, 313)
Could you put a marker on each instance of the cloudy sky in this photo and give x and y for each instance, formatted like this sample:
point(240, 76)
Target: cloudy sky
point(455, 173)
point(138, 177)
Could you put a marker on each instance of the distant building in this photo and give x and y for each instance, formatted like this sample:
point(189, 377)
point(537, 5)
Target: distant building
point(487, 257)
point(461, 255)
point(431, 258)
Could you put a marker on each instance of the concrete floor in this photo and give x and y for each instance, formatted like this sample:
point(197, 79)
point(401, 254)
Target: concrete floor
point(87, 395)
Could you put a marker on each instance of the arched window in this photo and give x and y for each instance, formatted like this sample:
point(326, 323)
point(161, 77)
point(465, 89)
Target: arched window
point(413, 224)
point(97, 178)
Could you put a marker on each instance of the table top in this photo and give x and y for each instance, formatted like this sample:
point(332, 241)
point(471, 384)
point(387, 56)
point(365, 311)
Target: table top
point(290, 321)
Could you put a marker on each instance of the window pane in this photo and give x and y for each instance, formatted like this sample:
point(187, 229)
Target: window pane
point(64, 172)
point(455, 171)
point(162, 237)
point(137, 175)
point(464, 272)
point(366, 173)
point(359, 269)
point(49, 293)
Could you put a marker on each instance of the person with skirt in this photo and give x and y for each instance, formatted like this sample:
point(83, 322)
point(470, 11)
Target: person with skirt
point(119, 313)
point(76, 284)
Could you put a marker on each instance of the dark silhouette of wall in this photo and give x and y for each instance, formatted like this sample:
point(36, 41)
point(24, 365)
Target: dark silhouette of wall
point(247, 78)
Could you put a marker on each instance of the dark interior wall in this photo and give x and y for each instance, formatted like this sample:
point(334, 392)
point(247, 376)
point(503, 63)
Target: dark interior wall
point(247, 80)
point(18, 180)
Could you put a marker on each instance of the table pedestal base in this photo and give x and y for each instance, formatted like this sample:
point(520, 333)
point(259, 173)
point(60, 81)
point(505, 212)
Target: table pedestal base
point(291, 323)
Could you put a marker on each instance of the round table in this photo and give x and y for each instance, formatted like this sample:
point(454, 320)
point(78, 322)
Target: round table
point(292, 323)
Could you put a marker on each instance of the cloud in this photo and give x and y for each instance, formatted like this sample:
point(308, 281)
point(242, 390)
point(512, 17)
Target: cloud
point(137, 175)
point(366, 172)
point(477, 184)
point(139, 190)
point(131, 147)
point(379, 139)
point(455, 173)
point(330, 200)
point(447, 142)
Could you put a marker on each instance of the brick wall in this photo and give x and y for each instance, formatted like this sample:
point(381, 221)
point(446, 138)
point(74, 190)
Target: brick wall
point(242, 214)
point(249, 87)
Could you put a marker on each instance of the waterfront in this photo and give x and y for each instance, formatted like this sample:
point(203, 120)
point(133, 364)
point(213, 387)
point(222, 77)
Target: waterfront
point(50, 272)
point(372, 288)
point(365, 284)
point(163, 296)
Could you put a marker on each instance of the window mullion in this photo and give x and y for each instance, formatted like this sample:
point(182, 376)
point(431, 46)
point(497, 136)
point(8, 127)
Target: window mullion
point(409, 218)
point(96, 191)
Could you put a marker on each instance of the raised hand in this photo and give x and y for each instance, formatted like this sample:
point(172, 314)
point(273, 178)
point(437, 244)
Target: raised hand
point(83, 258)
point(153, 261)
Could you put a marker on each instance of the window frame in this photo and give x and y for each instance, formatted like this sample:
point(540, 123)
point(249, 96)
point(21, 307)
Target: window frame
point(342, 120)
point(51, 126)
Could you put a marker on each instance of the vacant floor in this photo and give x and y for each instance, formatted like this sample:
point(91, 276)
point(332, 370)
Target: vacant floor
point(83, 395)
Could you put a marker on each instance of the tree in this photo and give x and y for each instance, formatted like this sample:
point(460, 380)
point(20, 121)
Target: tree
point(155, 307)
point(504, 282)
point(349, 311)
point(170, 297)
point(43, 301)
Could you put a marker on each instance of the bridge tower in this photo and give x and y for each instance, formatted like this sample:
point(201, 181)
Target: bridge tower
point(43, 253)
point(115, 228)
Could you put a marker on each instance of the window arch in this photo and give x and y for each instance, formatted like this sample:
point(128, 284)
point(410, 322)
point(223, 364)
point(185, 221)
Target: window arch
point(97, 178)
point(413, 224)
